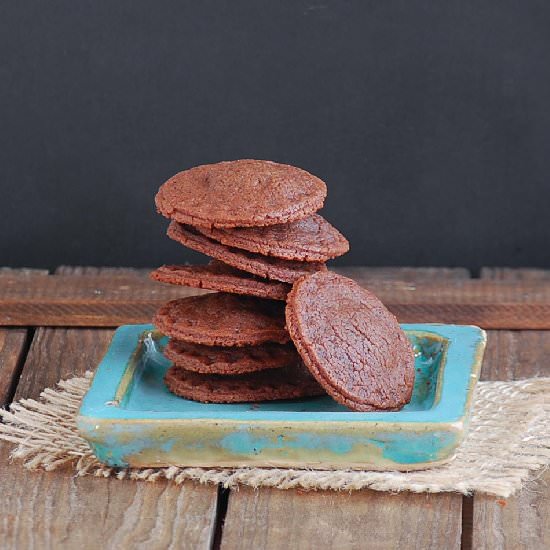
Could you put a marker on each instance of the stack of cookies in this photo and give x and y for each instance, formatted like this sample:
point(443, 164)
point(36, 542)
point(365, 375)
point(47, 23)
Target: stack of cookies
point(257, 220)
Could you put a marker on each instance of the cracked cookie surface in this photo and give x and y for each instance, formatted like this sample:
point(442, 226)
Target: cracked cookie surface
point(240, 193)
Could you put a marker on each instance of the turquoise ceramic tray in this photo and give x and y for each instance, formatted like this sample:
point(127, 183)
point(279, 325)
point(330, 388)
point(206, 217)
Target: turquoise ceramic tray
point(130, 419)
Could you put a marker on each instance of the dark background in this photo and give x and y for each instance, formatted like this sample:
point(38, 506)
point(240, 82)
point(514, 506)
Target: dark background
point(429, 121)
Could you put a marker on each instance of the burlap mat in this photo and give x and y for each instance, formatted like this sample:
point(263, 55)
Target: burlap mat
point(509, 438)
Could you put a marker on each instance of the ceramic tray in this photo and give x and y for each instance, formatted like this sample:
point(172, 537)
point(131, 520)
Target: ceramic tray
point(130, 419)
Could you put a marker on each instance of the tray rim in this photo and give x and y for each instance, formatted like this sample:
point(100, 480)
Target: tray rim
point(464, 351)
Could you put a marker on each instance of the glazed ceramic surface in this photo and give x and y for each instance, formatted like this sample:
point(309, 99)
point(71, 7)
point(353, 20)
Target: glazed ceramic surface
point(129, 418)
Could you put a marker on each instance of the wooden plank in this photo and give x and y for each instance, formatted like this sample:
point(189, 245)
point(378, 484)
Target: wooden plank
point(521, 522)
point(13, 344)
point(91, 299)
point(22, 271)
point(514, 274)
point(409, 274)
point(113, 299)
point(54, 509)
point(272, 518)
point(12, 347)
point(511, 355)
point(375, 273)
point(137, 273)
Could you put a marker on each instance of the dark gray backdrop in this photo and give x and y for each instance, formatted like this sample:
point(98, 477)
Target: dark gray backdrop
point(430, 122)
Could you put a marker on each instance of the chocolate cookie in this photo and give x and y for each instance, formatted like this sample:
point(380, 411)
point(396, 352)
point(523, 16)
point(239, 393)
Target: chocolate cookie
point(312, 239)
point(240, 193)
point(218, 360)
point(218, 276)
point(270, 268)
point(221, 319)
point(350, 342)
point(286, 383)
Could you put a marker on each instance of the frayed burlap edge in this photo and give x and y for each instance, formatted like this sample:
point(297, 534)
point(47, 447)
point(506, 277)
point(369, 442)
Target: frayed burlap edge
point(508, 440)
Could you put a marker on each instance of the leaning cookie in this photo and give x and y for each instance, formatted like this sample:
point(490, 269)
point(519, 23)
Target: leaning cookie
point(287, 383)
point(285, 271)
point(229, 361)
point(218, 276)
point(222, 319)
point(350, 342)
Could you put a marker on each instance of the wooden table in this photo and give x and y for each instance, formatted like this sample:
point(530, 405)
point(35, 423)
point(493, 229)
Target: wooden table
point(59, 325)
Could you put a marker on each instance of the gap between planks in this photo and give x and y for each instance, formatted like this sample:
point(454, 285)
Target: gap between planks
point(14, 346)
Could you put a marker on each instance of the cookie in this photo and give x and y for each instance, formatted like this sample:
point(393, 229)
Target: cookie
point(240, 193)
point(218, 276)
point(286, 383)
point(312, 239)
point(221, 319)
point(270, 268)
point(218, 360)
point(350, 342)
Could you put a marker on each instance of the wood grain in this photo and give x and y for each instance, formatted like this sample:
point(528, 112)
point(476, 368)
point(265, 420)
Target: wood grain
point(408, 274)
point(55, 510)
point(134, 273)
point(375, 273)
point(96, 299)
point(12, 346)
point(511, 355)
point(13, 343)
point(514, 274)
point(523, 521)
point(272, 518)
